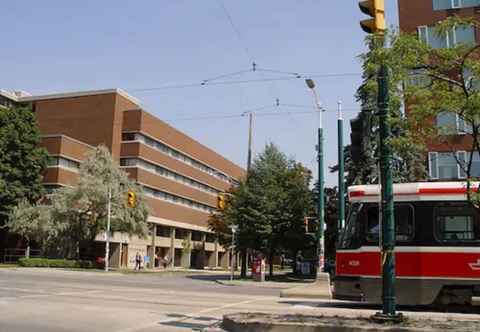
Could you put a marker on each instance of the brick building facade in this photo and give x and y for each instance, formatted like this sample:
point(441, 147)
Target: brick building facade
point(421, 16)
point(180, 176)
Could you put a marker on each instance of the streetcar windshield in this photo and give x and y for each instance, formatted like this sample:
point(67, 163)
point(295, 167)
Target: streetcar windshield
point(348, 235)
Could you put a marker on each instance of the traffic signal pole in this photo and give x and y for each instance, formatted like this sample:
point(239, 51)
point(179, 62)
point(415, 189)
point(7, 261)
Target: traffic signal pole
point(388, 220)
point(376, 25)
point(341, 171)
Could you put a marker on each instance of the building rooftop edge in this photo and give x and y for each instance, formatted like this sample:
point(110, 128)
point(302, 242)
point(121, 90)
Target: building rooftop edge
point(8, 95)
point(118, 91)
point(121, 92)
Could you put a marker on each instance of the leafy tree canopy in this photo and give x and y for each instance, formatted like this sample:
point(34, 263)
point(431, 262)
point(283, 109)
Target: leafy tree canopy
point(21, 159)
point(76, 215)
point(270, 207)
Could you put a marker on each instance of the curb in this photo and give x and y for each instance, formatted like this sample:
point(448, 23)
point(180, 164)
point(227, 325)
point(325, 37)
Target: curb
point(265, 284)
point(286, 323)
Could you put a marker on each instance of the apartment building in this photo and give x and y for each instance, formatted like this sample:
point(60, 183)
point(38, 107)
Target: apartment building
point(180, 176)
point(421, 17)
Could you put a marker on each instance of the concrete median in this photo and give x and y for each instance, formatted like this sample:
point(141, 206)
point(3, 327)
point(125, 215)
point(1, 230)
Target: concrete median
point(256, 322)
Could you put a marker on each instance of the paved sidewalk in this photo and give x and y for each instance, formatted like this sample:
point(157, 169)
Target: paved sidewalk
point(320, 289)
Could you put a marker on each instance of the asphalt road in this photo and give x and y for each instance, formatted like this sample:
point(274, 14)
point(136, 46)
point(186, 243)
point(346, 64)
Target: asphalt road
point(55, 300)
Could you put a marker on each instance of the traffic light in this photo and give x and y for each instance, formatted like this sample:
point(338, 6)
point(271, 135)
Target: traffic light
point(359, 136)
point(221, 202)
point(375, 9)
point(310, 225)
point(131, 199)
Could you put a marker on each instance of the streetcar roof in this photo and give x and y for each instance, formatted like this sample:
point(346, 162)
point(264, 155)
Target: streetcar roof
point(418, 191)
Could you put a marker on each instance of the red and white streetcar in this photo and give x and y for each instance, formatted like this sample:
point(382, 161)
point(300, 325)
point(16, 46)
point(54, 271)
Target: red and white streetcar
point(437, 249)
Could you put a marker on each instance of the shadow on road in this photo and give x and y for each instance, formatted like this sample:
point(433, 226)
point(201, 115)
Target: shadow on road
point(209, 277)
point(280, 278)
point(181, 321)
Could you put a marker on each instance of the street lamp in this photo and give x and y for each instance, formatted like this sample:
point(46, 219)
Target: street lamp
point(341, 170)
point(107, 235)
point(321, 182)
point(234, 230)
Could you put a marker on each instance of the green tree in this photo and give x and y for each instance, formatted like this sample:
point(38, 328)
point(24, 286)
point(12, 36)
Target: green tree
point(436, 81)
point(76, 215)
point(270, 208)
point(408, 150)
point(22, 161)
point(34, 224)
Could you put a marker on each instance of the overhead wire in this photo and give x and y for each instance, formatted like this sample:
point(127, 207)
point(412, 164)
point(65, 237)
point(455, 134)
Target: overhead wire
point(272, 79)
point(260, 114)
point(237, 31)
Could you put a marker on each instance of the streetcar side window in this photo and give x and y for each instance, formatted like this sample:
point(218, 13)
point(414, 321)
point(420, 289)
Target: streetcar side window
point(404, 223)
point(457, 224)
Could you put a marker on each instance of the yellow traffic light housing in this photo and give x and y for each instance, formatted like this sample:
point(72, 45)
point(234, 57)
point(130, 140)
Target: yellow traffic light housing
point(131, 199)
point(375, 9)
point(221, 202)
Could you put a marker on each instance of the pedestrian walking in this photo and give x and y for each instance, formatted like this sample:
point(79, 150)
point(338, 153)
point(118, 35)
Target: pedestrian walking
point(138, 261)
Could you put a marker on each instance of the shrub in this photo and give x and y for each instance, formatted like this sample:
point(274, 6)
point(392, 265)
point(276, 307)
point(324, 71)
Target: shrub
point(56, 263)
point(33, 262)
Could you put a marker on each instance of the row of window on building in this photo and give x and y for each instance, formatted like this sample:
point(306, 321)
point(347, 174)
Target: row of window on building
point(181, 234)
point(450, 4)
point(164, 196)
point(453, 165)
point(57, 161)
point(457, 35)
point(177, 155)
point(162, 171)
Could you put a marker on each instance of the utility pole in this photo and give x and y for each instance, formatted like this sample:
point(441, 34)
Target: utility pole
point(341, 171)
point(243, 251)
point(376, 25)
point(321, 182)
point(107, 233)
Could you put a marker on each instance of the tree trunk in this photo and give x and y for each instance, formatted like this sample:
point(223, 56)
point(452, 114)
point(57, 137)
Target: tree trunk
point(294, 265)
point(270, 263)
point(243, 272)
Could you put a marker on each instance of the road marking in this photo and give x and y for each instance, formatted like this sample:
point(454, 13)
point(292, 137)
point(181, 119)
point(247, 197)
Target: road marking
point(23, 290)
point(189, 316)
point(44, 293)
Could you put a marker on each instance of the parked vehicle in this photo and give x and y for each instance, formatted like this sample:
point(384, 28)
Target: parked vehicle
point(437, 249)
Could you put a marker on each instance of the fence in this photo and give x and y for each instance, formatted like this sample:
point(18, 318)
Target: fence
point(12, 255)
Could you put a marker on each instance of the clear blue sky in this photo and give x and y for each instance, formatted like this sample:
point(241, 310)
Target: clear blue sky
point(56, 45)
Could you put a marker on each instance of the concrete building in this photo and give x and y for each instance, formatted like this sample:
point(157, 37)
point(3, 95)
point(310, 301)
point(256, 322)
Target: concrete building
point(421, 16)
point(181, 177)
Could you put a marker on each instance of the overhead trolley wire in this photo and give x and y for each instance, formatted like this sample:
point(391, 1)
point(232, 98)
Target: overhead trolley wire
point(224, 76)
point(212, 83)
point(262, 114)
point(236, 30)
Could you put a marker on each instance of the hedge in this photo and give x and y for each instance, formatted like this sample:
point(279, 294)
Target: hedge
point(46, 262)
